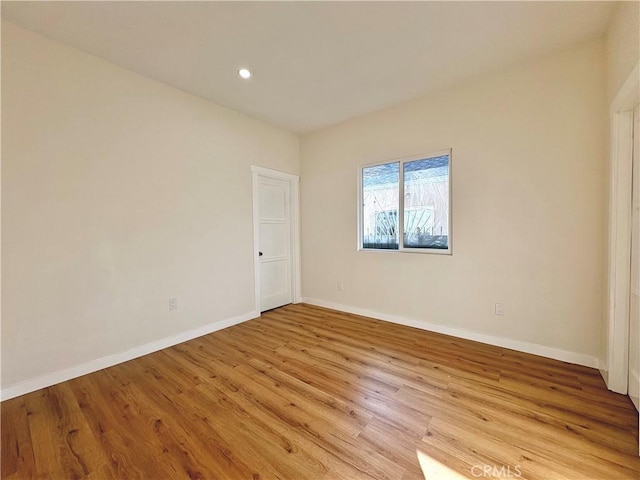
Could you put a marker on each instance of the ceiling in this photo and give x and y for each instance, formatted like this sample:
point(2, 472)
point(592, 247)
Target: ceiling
point(314, 63)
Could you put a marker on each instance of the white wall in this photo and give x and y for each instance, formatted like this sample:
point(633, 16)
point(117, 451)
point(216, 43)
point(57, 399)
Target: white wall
point(118, 192)
point(528, 207)
point(623, 45)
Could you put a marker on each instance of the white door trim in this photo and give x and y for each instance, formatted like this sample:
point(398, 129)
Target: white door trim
point(296, 277)
point(615, 368)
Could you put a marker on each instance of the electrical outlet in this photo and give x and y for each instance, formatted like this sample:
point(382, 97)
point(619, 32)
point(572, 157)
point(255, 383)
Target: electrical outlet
point(340, 285)
point(173, 303)
point(499, 309)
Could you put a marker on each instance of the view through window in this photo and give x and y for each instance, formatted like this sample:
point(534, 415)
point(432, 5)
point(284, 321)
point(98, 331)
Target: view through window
point(422, 197)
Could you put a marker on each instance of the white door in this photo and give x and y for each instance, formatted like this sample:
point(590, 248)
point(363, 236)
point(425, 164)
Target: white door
point(634, 307)
point(274, 242)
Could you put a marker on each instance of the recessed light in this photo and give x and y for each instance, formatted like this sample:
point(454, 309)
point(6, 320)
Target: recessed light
point(244, 73)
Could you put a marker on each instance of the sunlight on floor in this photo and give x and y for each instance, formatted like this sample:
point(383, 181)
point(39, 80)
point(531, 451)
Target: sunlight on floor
point(434, 470)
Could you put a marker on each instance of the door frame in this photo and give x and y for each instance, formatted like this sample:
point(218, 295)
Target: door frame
point(615, 359)
point(294, 209)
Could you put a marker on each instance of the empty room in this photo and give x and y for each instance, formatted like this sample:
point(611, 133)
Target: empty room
point(320, 240)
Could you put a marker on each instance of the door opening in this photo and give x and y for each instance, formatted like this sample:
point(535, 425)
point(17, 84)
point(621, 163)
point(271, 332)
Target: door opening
point(618, 335)
point(276, 238)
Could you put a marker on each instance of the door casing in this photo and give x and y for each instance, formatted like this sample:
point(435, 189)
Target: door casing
point(634, 294)
point(614, 361)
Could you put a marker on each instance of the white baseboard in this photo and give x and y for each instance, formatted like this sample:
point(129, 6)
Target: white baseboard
point(49, 379)
point(604, 371)
point(526, 347)
point(634, 385)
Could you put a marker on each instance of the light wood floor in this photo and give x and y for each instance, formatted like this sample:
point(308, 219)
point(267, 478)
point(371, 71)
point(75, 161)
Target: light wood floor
point(310, 393)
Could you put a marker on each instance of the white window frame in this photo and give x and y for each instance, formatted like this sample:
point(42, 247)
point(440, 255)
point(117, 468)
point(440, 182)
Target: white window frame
point(401, 247)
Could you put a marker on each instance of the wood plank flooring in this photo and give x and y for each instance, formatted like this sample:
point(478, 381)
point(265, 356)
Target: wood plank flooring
point(310, 393)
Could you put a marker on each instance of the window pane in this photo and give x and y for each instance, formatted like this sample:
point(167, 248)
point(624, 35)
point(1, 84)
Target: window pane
point(426, 203)
point(380, 187)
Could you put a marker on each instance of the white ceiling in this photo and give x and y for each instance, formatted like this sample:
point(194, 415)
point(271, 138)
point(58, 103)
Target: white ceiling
point(314, 63)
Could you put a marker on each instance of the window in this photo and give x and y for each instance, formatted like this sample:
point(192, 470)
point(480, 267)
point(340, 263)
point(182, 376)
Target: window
point(409, 215)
